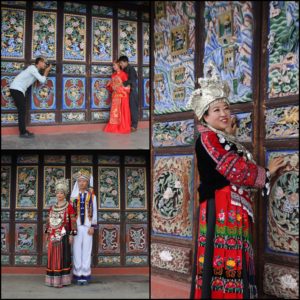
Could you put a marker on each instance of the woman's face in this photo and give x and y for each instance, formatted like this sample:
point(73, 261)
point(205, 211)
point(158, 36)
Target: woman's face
point(60, 196)
point(218, 116)
point(116, 66)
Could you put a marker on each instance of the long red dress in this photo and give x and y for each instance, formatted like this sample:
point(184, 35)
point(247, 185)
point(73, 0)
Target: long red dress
point(224, 261)
point(120, 119)
point(60, 225)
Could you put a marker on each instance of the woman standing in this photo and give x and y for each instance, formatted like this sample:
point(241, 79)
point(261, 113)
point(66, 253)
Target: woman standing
point(61, 226)
point(224, 266)
point(120, 119)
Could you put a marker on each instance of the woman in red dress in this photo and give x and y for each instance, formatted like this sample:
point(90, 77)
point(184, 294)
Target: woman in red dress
point(120, 119)
point(224, 261)
point(60, 229)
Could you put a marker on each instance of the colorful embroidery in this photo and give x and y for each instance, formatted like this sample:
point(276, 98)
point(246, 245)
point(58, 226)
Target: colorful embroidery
point(221, 217)
point(232, 238)
point(220, 242)
point(202, 240)
point(88, 206)
point(231, 216)
point(218, 261)
point(230, 164)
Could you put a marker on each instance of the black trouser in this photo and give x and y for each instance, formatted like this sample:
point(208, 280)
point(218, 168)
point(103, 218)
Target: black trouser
point(134, 107)
point(20, 102)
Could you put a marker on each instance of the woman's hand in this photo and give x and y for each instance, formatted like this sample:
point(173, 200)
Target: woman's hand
point(91, 231)
point(71, 239)
point(276, 164)
point(232, 127)
point(127, 89)
point(109, 86)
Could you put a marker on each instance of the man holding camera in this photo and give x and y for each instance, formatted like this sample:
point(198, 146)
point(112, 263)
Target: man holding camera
point(20, 85)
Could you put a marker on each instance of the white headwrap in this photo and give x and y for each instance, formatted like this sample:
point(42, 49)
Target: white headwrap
point(82, 174)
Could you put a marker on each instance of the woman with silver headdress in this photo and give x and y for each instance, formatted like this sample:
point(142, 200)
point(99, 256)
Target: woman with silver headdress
point(223, 264)
point(61, 227)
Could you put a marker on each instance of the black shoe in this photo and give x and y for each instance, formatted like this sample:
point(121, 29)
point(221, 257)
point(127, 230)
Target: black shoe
point(27, 135)
point(82, 282)
point(30, 133)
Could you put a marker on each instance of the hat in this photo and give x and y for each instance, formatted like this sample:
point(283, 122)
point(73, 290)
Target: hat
point(62, 185)
point(212, 88)
point(82, 174)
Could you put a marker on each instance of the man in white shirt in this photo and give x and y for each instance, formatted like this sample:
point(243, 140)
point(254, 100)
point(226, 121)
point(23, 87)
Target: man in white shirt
point(19, 87)
point(85, 205)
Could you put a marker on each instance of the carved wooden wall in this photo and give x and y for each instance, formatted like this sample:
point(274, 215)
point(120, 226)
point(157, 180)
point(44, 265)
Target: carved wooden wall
point(279, 216)
point(173, 184)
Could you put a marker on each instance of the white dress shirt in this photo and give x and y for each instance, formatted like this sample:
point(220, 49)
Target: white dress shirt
point(26, 78)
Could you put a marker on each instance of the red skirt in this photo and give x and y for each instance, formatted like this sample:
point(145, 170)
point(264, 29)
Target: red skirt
point(122, 124)
point(224, 260)
point(59, 263)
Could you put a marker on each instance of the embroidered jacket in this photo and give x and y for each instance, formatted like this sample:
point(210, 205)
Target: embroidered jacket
point(86, 207)
point(61, 221)
point(221, 164)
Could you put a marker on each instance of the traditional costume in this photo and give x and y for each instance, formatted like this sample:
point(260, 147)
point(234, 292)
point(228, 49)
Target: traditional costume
point(85, 205)
point(119, 119)
point(223, 263)
point(61, 223)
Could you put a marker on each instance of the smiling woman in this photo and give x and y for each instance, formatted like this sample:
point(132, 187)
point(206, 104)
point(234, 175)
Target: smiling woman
point(218, 115)
point(60, 228)
point(224, 266)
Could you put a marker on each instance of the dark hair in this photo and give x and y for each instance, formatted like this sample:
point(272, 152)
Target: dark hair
point(123, 58)
point(204, 114)
point(38, 59)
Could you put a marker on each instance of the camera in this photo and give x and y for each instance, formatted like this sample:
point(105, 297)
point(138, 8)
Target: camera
point(50, 63)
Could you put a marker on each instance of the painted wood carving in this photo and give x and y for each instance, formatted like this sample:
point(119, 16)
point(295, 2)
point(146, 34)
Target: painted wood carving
point(172, 211)
point(283, 206)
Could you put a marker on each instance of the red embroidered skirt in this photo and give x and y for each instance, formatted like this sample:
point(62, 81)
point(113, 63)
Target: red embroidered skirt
point(59, 263)
point(225, 242)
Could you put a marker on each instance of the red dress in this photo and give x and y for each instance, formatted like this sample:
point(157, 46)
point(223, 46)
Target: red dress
point(120, 119)
point(60, 225)
point(224, 261)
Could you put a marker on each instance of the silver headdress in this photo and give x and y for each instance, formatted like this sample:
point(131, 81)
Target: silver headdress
point(62, 185)
point(212, 88)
